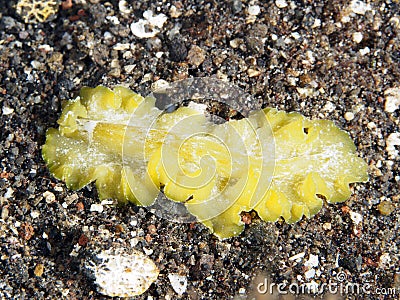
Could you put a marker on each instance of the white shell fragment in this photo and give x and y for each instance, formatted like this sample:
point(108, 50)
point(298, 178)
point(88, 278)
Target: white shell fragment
point(120, 274)
point(149, 26)
point(178, 283)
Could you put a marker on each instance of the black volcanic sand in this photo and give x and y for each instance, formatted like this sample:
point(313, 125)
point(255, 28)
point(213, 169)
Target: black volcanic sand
point(305, 57)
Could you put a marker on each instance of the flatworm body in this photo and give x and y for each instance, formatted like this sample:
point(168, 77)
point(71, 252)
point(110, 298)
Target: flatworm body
point(282, 165)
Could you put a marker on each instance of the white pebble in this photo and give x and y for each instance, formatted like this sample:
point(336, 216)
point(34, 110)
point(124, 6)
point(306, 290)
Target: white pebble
point(7, 110)
point(45, 48)
point(327, 226)
point(113, 19)
point(371, 125)
point(281, 3)
point(254, 10)
point(119, 46)
point(356, 217)
point(349, 116)
point(49, 197)
point(129, 68)
point(305, 92)
point(317, 23)
point(365, 51)
point(96, 207)
point(329, 107)
point(35, 214)
point(58, 188)
point(392, 96)
point(295, 35)
point(357, 37)
point(359, 7)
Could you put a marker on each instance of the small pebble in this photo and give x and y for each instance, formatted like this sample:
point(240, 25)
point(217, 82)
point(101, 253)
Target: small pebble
point(235, 43)
point(371, 125)
point(253, 73)
point(129, 68)
point(359, 7)
point(49, 197)
point(39, 269)
point(357, 37)
point(365, 51)
point(196, 56)
point(386, 208)
point(395, 21)
point(148, 251)
point(349, 116)
point(356, 217)
point(237, 6)
point(174, 12)
point(327, 226)
point(123, 7)
point(23, 35)
point(329, 107)
point(254, 10)
point(281, 3)
point(7, 110)
point(35, 214)
point(4, 213)
point(96, 207)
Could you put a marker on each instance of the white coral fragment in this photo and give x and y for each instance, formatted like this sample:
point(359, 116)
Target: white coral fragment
point(150, 26)
point(36, 11)
point(119, 274)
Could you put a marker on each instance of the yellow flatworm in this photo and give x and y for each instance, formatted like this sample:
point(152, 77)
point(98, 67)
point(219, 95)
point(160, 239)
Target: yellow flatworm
point(282, 165)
